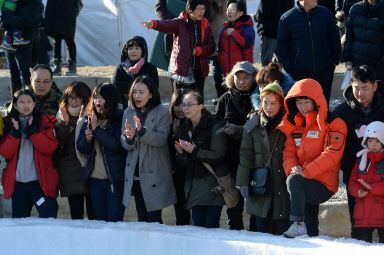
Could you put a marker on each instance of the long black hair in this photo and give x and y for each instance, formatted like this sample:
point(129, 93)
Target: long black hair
point(112, 99)
point(15, 113)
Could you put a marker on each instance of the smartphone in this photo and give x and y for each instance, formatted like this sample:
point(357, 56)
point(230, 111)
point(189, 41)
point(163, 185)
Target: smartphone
point(183, 142)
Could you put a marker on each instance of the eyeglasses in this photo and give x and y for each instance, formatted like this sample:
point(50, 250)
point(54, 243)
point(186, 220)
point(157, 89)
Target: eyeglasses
point(75, 99)
point(188, 105)
point(200, 9)
point(42, 82)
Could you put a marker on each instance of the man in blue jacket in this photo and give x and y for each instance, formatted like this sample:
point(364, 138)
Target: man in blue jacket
point(364, 43)
point(308, 43)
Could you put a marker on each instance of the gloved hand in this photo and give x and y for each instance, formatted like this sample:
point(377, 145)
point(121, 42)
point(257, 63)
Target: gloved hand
point(228, 129)
point(15, 132)
point(32, 127)
point(218, 190)
point(244, 190)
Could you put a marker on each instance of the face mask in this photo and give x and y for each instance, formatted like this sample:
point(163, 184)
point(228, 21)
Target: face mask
point(74, 111)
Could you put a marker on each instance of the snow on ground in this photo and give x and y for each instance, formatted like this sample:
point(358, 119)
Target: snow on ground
point(50, 236)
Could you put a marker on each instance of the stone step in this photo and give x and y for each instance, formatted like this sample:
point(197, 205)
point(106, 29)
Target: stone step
point(164, 85)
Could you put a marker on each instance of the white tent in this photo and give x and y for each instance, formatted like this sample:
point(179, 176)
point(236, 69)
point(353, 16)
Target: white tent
point(103, 27)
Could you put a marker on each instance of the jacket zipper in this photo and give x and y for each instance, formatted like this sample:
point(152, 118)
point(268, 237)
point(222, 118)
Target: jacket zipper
point(313, 48)
point(106, 168)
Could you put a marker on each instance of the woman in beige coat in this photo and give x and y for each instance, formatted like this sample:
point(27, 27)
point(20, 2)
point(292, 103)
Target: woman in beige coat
point(145, 129)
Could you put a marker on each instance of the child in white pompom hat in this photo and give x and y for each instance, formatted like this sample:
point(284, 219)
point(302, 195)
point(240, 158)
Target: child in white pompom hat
point(367, 184)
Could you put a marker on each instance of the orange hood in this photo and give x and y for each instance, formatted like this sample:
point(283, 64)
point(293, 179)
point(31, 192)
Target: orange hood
point(308, 88)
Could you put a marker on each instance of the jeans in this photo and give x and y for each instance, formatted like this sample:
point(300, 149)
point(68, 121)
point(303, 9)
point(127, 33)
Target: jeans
point(268, 47)
point(306, 195)
point(207, 216)
point(76, 206)
point(18, 63)
point(107, 204)
point(142, 213)
point(70, 44)
point(27, 194)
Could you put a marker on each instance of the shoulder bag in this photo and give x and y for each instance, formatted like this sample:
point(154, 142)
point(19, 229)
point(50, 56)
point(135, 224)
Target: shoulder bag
point(260, 177)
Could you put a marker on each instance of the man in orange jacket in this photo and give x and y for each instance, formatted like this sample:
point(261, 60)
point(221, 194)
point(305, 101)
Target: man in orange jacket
point(312, 155)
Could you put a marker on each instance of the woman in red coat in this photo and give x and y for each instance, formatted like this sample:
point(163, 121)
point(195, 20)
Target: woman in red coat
point(237, 37)
point(27, 145)
point(367, 184)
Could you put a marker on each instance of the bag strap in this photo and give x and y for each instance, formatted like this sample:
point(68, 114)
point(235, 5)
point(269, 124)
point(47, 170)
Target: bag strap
point(273, 148)
point(209, 168)
point(237, 106)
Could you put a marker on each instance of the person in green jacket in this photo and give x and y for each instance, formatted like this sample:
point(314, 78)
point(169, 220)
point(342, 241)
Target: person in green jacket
point(262, 145)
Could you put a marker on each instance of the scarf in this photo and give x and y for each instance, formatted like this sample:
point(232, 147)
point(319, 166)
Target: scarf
point(133, 70)
point(74, 111)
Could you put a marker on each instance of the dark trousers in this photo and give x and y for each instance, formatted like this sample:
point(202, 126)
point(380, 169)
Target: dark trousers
point(197, 86)
point(324, 77)
point(207, 216)
point(70, 44)
point(76, 206)
point(183, 216)
point(40, 47)
point(306, 195)
point(18, 63)
point(218, 77)
point(142, 213)
point(107, 204)
point(351, 208)
point(25, 195)
point(365, 234)
point(271, 226)
point(235, 215)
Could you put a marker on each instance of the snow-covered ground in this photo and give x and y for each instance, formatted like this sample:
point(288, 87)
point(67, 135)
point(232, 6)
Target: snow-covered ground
point(69, 237)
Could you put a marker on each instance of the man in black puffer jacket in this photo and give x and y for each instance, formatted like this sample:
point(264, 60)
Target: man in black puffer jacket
point(308, 43)
point(364, 43)
point(363, 104)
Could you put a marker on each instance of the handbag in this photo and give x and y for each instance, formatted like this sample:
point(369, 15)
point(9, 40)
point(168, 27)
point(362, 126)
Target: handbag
point(226, 183)
point(260, 177)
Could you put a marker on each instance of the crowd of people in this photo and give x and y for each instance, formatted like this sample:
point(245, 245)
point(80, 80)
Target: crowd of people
point(272, 131)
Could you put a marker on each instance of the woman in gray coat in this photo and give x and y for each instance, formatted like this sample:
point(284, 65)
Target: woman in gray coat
point(145, 129)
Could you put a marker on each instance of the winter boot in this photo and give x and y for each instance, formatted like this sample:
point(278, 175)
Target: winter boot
point(72, 70)
point(296, 229)
point(57, 67)
point(7, 44)
point(18, 39)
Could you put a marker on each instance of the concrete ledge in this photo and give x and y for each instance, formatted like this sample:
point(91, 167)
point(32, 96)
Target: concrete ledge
point(165, 85)
point(333, 217)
